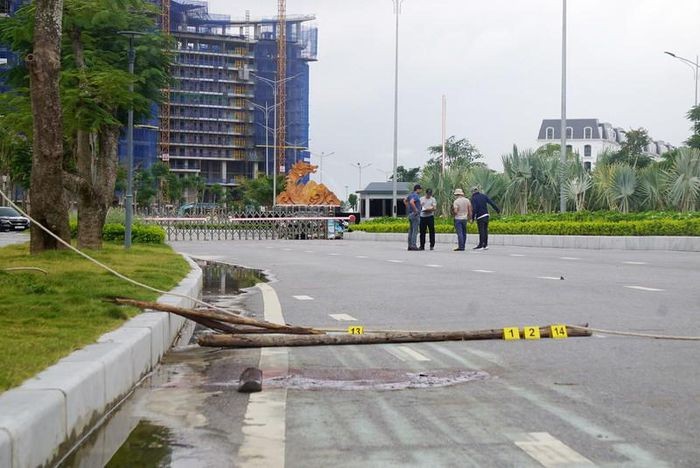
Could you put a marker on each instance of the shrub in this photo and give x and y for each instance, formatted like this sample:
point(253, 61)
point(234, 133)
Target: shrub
point(140, 233)
point(569, 224)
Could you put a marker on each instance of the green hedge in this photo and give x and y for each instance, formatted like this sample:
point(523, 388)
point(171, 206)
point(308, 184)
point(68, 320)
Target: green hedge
point(140, 233)
point(658, 227)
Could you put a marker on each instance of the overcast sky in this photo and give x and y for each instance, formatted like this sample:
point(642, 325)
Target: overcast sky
point(498, 62)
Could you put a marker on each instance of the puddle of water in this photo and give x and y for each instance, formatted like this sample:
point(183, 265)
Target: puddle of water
point(147, 445)
point(221, 279)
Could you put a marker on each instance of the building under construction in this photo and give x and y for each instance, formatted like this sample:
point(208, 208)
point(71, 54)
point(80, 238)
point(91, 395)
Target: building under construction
point(212, 123)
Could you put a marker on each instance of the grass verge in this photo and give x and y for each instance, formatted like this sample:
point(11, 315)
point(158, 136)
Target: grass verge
point(45, 317)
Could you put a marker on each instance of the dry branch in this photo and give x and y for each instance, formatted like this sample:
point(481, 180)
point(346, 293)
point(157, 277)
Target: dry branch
point(216, 316)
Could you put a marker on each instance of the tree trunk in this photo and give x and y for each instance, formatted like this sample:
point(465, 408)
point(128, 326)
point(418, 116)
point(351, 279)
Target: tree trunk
point(49, 204)
point(96, 164)
point(97, 169)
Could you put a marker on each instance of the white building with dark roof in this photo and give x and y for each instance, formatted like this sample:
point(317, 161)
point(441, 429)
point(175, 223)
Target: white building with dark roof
point(590, 138)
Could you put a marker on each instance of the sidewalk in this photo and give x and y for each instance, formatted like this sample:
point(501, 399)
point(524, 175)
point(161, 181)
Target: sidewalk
point(684, 244)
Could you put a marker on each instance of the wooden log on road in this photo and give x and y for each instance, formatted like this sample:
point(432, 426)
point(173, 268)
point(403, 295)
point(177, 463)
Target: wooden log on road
point(209, 315)
point(267, 341)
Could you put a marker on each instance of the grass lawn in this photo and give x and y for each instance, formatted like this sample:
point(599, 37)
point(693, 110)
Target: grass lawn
point(45, 317)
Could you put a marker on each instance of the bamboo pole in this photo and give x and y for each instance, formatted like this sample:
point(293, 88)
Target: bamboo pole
point(208, 315)
point(265, 341)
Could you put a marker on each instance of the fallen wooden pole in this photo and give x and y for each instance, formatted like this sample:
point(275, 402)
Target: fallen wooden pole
point(267, 341)
point(209, 315)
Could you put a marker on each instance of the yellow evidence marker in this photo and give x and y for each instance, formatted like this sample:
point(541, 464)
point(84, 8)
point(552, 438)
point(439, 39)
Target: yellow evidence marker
point(511, 333)
point(558, 331)
point(532, 333)
point(356, 330)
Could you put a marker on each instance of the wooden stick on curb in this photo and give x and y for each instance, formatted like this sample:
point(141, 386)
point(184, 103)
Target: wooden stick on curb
point(203, 316)
point(264, 341)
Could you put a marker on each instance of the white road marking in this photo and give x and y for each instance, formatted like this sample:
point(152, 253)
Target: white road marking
point(635, 263)
point(269, 247)
point(287, 250)
point(264, 426)
point(549, 277)
point(308, 251)
point(517, 255)
point(643, 288)
point(303, 298)
point(391, 350)
point(361, 256)
point(334, 254)
point(434, 266)
point(482, 271)
point(395, 261)
point(343, 317)
point(569, 258)
point(415, 355)
point(551, 452)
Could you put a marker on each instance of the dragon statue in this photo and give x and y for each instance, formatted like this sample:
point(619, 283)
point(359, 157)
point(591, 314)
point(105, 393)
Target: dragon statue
point(311, 193)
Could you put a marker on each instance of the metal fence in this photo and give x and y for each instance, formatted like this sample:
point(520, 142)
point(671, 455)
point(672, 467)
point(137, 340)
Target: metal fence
point(206, 224)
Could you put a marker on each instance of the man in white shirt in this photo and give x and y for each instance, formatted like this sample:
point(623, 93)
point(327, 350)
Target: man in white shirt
point(427, 218)
point(462, 209)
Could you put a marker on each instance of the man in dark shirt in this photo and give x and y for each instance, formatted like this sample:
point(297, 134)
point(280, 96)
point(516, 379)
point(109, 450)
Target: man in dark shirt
point(413, 208)
point(480, 213)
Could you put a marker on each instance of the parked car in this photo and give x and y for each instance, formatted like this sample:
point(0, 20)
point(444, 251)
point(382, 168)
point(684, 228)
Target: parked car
point(10, 220)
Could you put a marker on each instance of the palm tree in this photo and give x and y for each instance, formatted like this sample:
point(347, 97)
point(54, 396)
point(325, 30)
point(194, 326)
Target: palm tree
point(622, 186)
point(684, 180)
point(652, 186)
point(576, 188)
point(516, 167)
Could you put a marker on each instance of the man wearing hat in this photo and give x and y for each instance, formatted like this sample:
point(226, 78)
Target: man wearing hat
point(481, 215)
point(462, 209)
point(414, 209)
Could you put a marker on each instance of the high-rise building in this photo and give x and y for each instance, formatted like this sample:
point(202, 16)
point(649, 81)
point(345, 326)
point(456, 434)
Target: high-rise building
point(212, 124)
point(7, 58)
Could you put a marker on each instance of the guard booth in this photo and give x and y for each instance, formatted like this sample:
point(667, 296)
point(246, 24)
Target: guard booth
point(375, 199)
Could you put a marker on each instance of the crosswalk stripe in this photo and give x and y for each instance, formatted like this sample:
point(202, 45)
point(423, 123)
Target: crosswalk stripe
point(343, 317)
point(550, 451)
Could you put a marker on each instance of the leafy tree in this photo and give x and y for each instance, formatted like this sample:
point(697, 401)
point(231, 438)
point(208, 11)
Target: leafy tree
point(632, 151)
point(94, 93)
point(404, 174)
point(457, 152)
point(352, 201)
point(258, 192)
point(694, 117)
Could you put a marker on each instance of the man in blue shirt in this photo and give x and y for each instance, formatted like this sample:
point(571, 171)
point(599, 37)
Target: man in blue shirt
point(481, 215)
point(413, 208)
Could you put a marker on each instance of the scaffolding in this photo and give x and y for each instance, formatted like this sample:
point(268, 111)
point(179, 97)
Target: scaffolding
point(208, 124)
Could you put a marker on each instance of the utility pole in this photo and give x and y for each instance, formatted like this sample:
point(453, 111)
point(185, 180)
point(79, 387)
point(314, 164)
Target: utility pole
point(397, 11)
point(562, 159)
point(696, 70)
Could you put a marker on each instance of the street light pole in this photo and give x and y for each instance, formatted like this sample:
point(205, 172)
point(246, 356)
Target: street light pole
point(397, 11)
point(323, 156)
point(360, 167)
point(129, 213)
point(562, 153)
point(696, 70)
point(266, 111)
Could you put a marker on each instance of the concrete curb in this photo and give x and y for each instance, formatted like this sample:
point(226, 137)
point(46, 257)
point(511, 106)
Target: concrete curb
point(48, 412)
point(683, 244)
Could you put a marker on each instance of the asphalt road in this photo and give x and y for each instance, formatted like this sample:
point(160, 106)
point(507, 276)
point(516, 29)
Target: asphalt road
point(605, 401)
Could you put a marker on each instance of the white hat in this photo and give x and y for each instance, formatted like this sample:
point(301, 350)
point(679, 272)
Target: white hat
point(459, 191)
